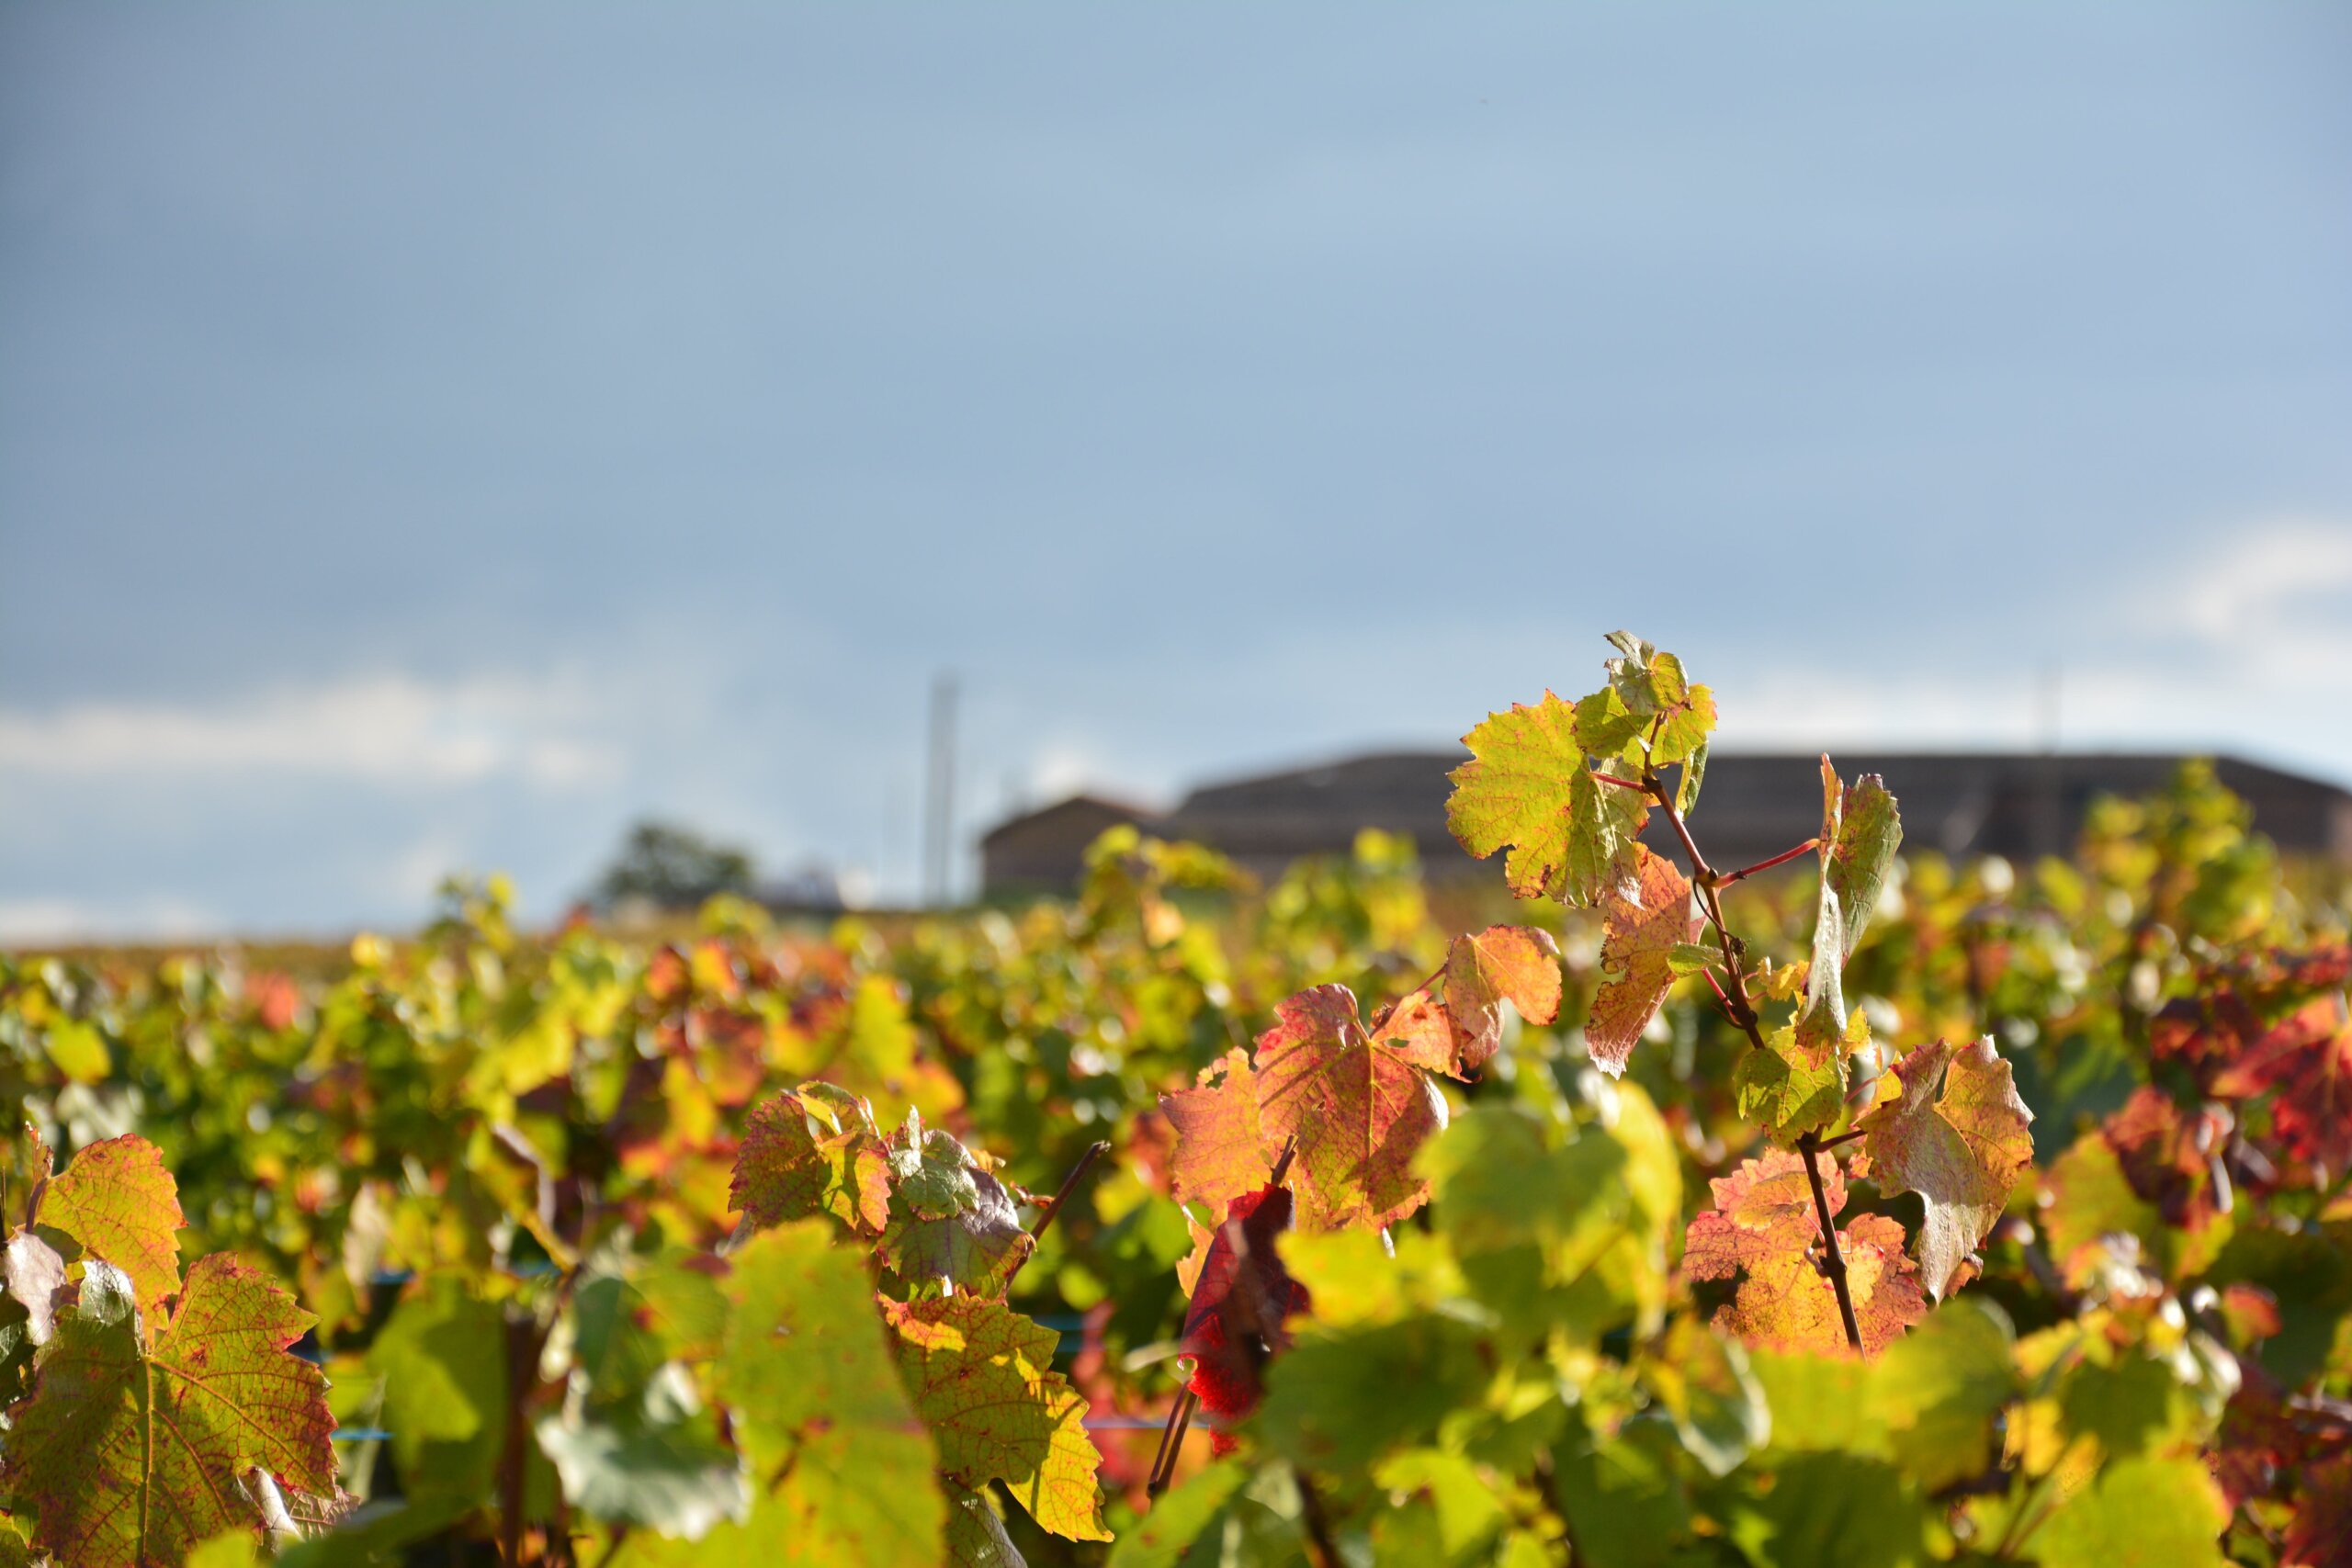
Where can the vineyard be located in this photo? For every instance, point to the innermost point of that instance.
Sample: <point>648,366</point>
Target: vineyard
<point>1858,1208</point>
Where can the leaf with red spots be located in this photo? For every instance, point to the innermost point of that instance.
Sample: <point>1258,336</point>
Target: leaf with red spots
<point>981,1378</point>
<point>129,1453</point>
<point>809,1153</point>
<point>1763,1231</point>
<point>120,1202</point>
<point>1220,1146</point>
<point>1359,1109</point>
<point>2305,1064</point>
<point>1643,922</point>
<point>1948,1125</point>
<point>1242,1297</point>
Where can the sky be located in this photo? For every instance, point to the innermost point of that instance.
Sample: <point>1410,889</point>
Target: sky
<point>434,437</point>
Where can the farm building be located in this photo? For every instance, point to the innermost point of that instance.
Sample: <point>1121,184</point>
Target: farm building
<point>1753,805</point>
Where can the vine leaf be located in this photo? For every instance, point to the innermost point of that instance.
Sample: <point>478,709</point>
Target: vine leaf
<point>120,1203</point>
<point>33,1274</point>
<point>1860,832</point>
<point>980,1376</point>
<point>2307,1059</point>
<point>1242,1298</point>
<point>1762,1232</point>
<point>1220,1147</point>
<point>1357,1107</point>
<point>1643,922</point>
<point>1459,1033</point>
<point>930,1171</point>
<point>1950,1125</point>
<point>1527,787</point>
<point>801,1156</point>
<point>130,1452</point>
<point>839,1463</point>
<point>950,1220</point>
<point>1796,1086</point>
<point>1515,964</point>
<point>1652,688</point>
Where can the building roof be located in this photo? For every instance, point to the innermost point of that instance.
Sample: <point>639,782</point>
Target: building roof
<point>1753,804</point>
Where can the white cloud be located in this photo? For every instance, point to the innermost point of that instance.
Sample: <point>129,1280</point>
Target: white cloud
<point>34,923</point>
<point>392,729</point>
<point>2259,585</point>
<point>2236,645</point>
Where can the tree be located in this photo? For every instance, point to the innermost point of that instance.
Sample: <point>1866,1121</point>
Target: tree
<point>673,867</point>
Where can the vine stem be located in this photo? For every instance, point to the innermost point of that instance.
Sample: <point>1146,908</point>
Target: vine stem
<point>1743,1013</point>
<point>1053,1206</point>
<point>1783,858</point>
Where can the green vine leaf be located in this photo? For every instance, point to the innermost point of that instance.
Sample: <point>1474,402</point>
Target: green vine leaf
<point>1527,787</point>
<point>133,1454</point>
<point>1860,832</point>
<point>952,1222</point>
<point>1795,1086</point>
<point>841,1468</point>
<point>981,1376</point>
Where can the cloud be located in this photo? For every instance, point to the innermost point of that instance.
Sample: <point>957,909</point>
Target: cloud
<point>2264,583</point>
<point>386,729</point>
<point>25,922</point>
<point>2235,643</point>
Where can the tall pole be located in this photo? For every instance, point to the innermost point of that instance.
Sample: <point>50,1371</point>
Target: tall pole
<point>939,804</point>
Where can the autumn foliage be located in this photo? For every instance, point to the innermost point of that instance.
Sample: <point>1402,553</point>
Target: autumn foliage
<point>1853,1208</point>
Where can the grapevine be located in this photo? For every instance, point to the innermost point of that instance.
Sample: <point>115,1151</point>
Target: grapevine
<point>1643,1214</point>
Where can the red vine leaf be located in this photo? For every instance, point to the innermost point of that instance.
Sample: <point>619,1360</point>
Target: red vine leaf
<point>1949,1124</point>
<point>981,1379</point>
<point>1359,1109</point>
<point>2320,1532</point>
<point>1220,1148</point>
<point>2171,1157</point>
<point>131,1455</point>
<point>2306,1061</point>
<point>1763,1231</point>
<point>806,1154</point>
<point>1242,1301</point>
<point>120,1202</point>
<point>1642,923</point>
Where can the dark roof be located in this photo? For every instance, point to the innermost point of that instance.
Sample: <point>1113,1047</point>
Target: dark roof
<point>1753,804</point>
<point>1088,806</point>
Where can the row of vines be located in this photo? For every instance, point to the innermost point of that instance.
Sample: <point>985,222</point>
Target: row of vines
<point>1855,1208</point>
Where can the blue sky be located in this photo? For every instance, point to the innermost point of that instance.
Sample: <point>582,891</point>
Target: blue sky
<point>432,438</point>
